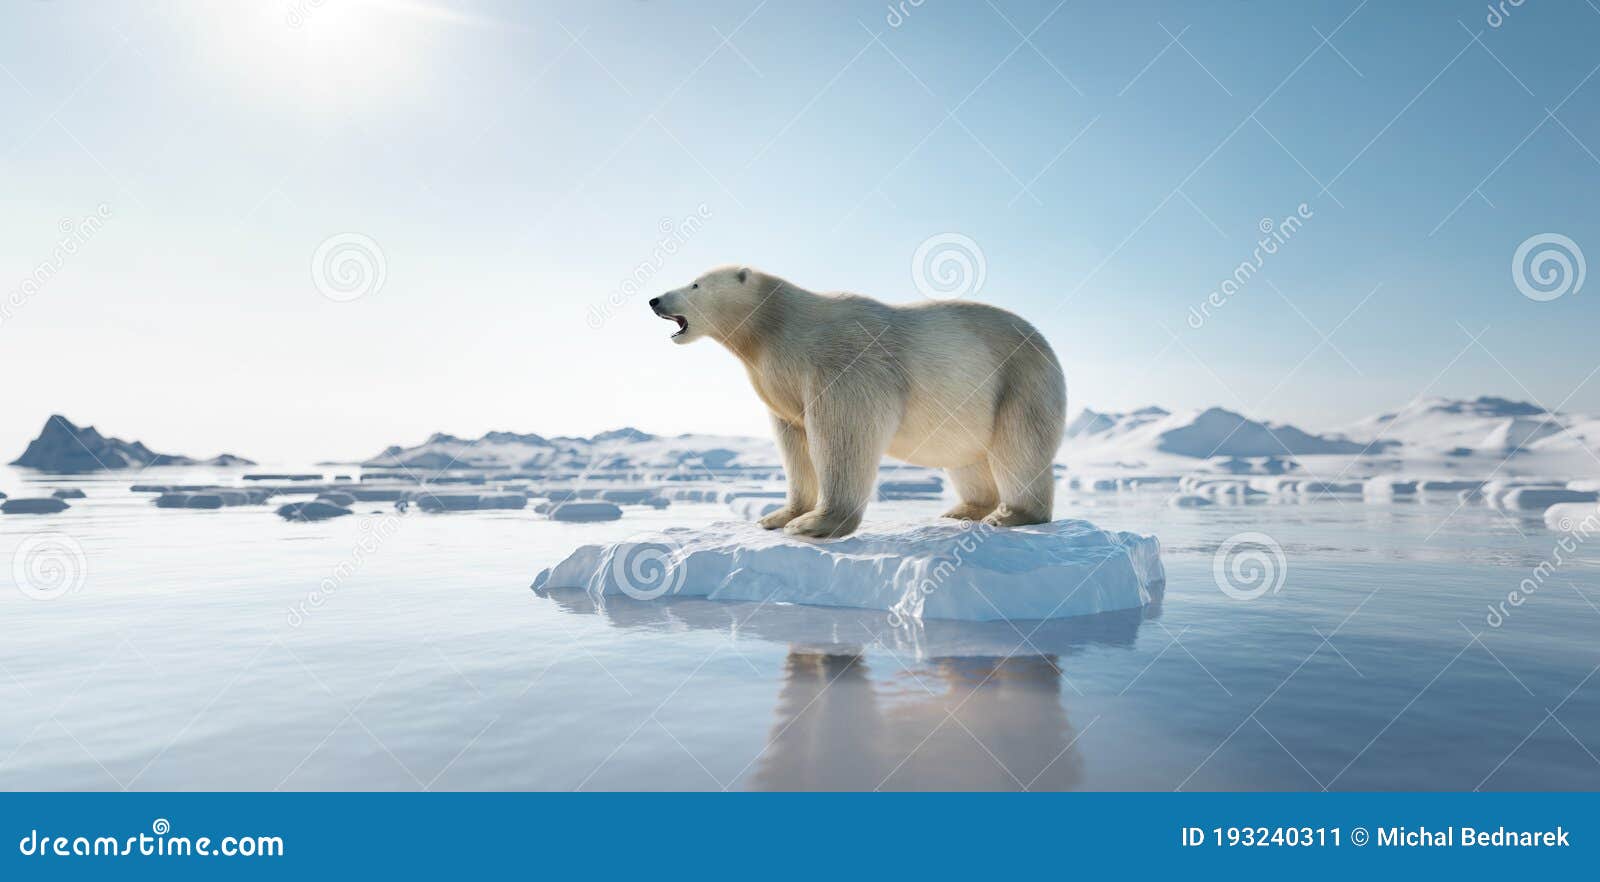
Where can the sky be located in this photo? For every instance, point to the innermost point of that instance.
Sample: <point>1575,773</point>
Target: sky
<point>308,229</point>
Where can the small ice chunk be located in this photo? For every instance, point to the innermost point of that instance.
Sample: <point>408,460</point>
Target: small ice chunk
<point>1388,488</point>
<point>580,511</point>
<point>436,502</point>
<point>48,505</point>
<point>69,493</point>
<point>1541,498</point>
<point>944,570</point>
<point>911,488</point>
<point>314,510</point>
<point>1570,517</point>
<point>1446,485</point>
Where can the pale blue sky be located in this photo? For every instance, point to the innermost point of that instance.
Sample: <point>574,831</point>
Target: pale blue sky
<point>514,162</point>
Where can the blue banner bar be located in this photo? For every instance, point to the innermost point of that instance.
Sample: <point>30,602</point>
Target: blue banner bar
<point>811,836</point>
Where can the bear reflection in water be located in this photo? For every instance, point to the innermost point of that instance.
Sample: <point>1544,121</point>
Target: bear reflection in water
<point>937,705</point>
<point>982,723</point>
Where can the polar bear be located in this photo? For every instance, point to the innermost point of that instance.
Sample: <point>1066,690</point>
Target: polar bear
<point>957,385</point>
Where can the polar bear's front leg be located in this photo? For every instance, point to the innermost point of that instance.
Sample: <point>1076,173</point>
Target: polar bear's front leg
<point>847,435</point>
<point>797,469</point>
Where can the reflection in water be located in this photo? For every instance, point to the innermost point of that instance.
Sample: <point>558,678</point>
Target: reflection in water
<point>962,724</point>
<point>959,708</point>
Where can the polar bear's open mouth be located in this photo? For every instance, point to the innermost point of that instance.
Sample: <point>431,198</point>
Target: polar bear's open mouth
<point>683,324</point>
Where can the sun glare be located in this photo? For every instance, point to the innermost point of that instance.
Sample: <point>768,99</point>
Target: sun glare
<point>325,51</point>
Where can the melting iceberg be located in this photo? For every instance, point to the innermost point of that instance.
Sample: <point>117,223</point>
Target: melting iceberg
<point>941,570</point>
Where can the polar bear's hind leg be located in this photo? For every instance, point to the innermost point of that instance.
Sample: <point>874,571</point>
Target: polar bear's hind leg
<point>975,485</point>
<point>1029,420</point>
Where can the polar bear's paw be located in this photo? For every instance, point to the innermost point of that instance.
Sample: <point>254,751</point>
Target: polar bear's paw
<point>822,525</point>
<point>778,518</point>
<point>1007,516</point>
<point>969,511</point>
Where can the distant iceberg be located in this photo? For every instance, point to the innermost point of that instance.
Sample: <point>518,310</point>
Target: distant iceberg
<point>943,570</point>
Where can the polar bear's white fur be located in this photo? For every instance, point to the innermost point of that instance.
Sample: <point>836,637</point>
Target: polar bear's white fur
<point>958,385</point>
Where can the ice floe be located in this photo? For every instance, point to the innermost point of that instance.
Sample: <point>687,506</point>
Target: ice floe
<point>941,570</point>
<point>1573,517</point>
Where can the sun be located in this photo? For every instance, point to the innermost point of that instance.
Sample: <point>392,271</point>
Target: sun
<point>322,52</point>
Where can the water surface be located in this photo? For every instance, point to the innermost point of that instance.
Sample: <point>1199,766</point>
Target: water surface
<point>231,650</point>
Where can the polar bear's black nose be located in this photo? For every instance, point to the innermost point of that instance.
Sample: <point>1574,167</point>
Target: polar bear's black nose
<point>655,301</point>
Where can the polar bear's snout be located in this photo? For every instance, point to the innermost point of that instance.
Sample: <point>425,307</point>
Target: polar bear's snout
<point>666,313</point>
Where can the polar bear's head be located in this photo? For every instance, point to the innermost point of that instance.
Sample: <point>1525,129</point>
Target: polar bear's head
<point>717,304</point>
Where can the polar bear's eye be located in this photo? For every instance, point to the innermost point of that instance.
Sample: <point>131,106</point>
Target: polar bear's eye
<point>695,285</point>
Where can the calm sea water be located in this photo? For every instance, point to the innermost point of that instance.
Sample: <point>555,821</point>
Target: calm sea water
<point>232,650</point>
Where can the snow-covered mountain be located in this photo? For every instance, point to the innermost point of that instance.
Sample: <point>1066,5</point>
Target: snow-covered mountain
<point>65,448</point>
<point>1199,434</point>
<point>625,448</point>
<point>1481,425</point>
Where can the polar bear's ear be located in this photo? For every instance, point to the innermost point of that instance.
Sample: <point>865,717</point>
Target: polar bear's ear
<point>744,274</point>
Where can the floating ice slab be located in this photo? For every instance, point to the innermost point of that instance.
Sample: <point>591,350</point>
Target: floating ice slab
<point>943,570</point>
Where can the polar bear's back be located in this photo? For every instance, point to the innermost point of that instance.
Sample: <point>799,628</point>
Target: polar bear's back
<point>965,362</point>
